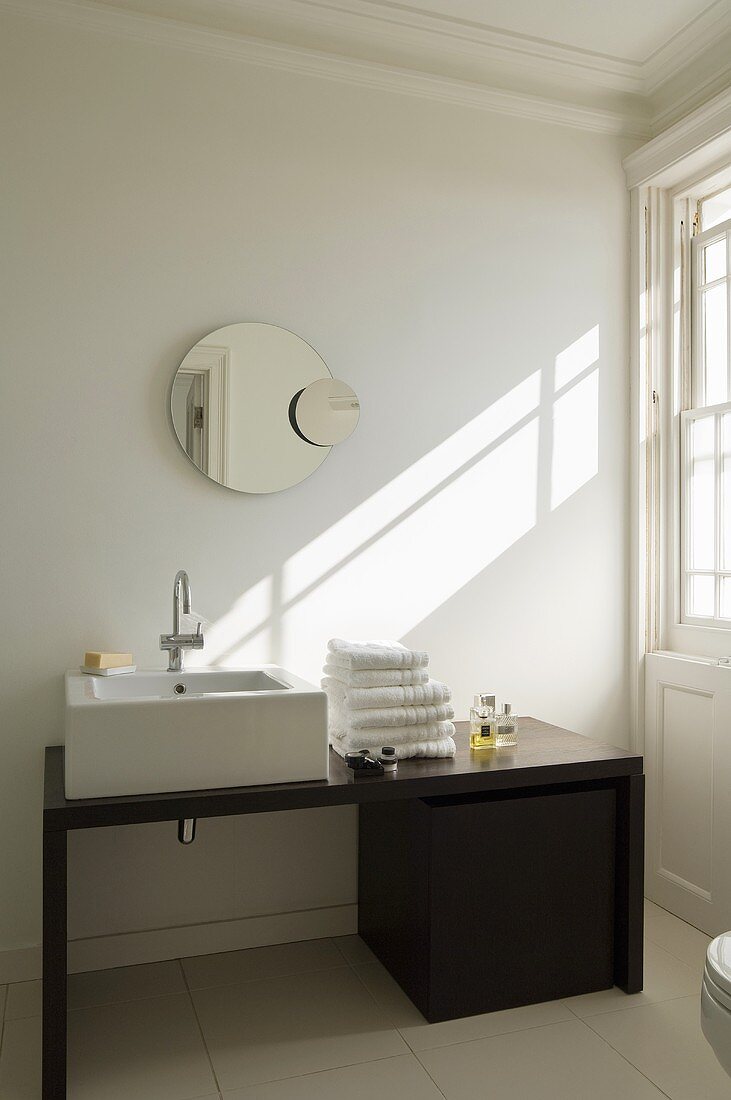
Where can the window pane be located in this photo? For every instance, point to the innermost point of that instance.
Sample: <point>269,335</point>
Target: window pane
<point>714,261</point>
<point>726,597</point>
<point>701,596</point>
<point>702,495</point>
<point>716,210</point>
<point>715,355</point>
<point>726,492</point>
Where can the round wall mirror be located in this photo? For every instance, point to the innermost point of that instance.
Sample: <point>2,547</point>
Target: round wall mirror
<point>255,408</point>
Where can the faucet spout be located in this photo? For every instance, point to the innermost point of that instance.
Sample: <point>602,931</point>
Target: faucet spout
<point>176,643</point>
<point>181,598</point>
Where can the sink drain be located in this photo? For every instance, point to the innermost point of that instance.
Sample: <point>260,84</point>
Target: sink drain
<point>179,689</point>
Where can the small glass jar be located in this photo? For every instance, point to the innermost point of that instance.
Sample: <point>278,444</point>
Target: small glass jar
<point>506,727</point>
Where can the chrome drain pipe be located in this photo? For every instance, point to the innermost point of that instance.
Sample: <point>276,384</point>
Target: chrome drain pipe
<point>186,830</point>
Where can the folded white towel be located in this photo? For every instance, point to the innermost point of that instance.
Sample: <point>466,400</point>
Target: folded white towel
<point>378,736</point>
<point>377,677</point>
<point>368,698</point>
<point>410,750</point>
<point>343,717</point>
<point>362,655</point>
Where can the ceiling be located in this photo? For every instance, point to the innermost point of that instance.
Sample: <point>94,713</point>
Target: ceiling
<point>631,29</point>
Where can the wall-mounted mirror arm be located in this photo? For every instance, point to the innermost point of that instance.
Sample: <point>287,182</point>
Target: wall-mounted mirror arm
<point>324,413</point>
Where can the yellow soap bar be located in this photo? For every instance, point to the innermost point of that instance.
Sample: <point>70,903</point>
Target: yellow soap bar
<point>107,660</point>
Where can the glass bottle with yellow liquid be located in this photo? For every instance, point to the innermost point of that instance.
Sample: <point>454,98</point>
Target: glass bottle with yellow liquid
<point>483,724</point>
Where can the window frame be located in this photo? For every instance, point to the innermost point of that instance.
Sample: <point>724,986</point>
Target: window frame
<point>677,211</point>
<point>696,410</point>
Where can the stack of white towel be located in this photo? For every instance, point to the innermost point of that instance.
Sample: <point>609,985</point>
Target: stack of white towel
<point>380,693</point>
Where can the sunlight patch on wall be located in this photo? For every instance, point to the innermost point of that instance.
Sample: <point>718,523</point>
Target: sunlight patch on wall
<point>575,458</point>
<point>246,617</point>
<point>575,417</point>
<point>386,505</point>
<point>255,650</point>
<point>422,561</point>
<point>574,360</point>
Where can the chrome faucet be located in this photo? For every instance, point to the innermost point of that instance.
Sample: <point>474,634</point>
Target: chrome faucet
<point>176,643</point>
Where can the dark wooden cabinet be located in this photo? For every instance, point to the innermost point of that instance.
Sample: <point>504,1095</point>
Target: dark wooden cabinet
<point>482,903</point>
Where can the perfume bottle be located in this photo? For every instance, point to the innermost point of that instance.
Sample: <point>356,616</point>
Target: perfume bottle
<point>482,723</point>
<point>506,728</point>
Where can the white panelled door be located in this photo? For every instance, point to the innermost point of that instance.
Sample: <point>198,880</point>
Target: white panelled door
<point>688,766</point>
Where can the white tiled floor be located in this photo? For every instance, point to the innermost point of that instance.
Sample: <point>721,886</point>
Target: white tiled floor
<point>323,1020</point>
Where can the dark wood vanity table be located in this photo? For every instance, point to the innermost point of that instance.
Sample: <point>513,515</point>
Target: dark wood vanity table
<point>498,878</point>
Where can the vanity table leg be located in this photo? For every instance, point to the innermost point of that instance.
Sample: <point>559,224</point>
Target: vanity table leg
<point>54,965</point>
<point>630,880</point>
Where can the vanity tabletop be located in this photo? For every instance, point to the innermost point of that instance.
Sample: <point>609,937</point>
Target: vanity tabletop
<point>544,754</point>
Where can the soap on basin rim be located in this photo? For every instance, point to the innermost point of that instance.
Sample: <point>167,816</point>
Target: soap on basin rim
<point>93,659</point>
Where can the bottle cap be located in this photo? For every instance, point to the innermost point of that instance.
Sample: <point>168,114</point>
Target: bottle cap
<point>507,708</point>
<point>388,750</point>
<point>485,700</point>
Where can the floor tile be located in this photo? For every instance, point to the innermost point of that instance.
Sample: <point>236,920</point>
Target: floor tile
<point>99,987</point>
<point>284,1027</point>
<point>23,1001</point>
<point>665,1042</point>
<point>402,1078</point>
<point>675,936</point>
<point>20,1060</point>
<point>560,1062</point>
<point>229,967</point>
<point>354,949</point>
<point>150,1050</point>
<point>125,983</point>
<point>666,977</point>
<point>421,1035</point>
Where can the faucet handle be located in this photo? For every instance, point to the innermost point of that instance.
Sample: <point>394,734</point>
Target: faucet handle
<point>183,641</point>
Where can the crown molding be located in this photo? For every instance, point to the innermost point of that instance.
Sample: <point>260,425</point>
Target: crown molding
<point>704,134</point>
<point>105,18</point>
<point>717,81</point>
<point>395,25</point>
<point>687,45</point>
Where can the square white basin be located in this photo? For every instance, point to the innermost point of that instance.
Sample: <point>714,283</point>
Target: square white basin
<point>151,732</point>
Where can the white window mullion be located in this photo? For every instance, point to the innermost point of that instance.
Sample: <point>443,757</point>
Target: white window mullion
<point>727,287</point>
<point>717,513</point>
<point>695,489</point>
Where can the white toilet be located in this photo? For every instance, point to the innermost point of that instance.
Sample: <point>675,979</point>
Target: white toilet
<point>716,999</point>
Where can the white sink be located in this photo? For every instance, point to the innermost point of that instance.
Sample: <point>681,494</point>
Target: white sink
<point>149,732</point>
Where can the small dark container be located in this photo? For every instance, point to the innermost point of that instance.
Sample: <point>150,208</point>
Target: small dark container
<point>387,758</point>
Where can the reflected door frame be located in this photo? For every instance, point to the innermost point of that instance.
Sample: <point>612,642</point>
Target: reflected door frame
<point>210,365</point>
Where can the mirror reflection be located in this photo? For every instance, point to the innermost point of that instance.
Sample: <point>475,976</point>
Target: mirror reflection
<point>255,408</point>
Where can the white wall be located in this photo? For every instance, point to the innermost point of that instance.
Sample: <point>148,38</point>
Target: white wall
<point>437,258</point>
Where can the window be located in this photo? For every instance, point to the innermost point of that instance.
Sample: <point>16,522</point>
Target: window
<point>706,425</point>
